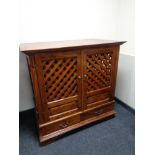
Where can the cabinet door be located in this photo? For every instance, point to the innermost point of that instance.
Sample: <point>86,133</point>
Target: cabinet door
<point>59,82</point>
<point>99,75</point>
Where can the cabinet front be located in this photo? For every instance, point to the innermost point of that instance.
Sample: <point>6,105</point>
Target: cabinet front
<point>59,82</point>
<point>99,67</point>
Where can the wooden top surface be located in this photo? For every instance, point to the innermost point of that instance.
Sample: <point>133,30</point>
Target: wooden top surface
<point>33,47</point>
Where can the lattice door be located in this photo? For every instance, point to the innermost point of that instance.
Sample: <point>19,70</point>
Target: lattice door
<point>60,84</point>
<point>98,73</point>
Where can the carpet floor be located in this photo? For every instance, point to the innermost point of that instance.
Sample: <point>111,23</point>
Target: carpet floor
<point>112,137</point>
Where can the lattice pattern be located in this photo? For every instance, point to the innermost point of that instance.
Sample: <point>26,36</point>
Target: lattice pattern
<point>99,69</point>
<point>60,78</point>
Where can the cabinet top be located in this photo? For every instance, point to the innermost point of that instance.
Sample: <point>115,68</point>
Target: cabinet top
<point>29,48</point>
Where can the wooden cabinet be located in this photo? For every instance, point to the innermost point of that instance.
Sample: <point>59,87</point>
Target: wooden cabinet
<point>73,82</point>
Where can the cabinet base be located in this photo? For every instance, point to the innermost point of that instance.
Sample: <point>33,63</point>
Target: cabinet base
<point>55,135</point>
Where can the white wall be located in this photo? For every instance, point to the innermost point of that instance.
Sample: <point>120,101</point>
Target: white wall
<point>125,88</point>
<point>26,100</point>
<point>125,25</point>
<point>48,20</point>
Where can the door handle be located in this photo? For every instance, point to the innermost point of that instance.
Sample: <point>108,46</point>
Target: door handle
<point>85,75</point>
<point>79,77</point>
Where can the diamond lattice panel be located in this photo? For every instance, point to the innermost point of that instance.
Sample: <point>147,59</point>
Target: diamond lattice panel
<point>99,69</point>
<point>60,78</point>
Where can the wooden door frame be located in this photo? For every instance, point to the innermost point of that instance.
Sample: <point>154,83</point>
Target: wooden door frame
<point>110,89</point>
<point>47,56</point>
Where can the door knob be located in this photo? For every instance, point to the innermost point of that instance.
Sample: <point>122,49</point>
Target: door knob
<point>79,77</point>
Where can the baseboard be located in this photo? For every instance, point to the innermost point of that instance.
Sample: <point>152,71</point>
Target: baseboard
<point>125,105</point>
<point>28,114</point>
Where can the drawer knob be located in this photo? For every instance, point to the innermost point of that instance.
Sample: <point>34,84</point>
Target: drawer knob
<point>99,112</point>
<point>64,124</point>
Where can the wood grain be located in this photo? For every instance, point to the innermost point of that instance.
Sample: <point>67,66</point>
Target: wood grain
<point>30,48</point>
<point>74,83</point>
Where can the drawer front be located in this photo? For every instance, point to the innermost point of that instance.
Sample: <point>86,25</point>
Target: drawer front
<point>59,125</point>
<point>98,111</point>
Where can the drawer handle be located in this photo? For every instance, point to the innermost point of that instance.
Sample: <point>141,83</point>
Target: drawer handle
<point>64,125</point>
<point>99,112</point>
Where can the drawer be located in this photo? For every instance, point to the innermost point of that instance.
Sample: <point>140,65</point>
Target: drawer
<point>60,125</point>
<point>98,111</point>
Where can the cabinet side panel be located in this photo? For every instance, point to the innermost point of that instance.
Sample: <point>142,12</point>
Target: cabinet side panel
<point>34,79</point>
<point>114,68</point>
